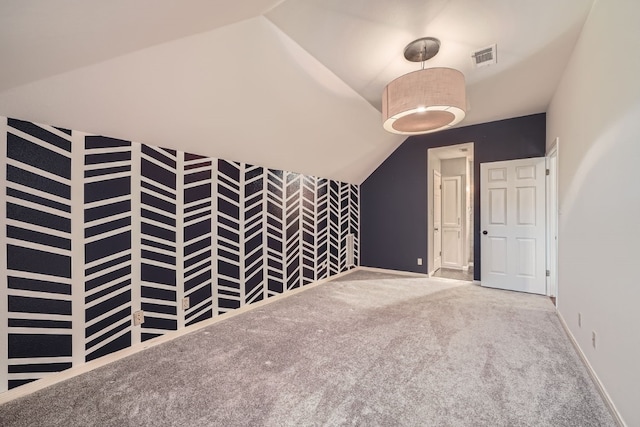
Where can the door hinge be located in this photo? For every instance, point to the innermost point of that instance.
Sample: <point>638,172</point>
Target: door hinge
<point>547,172</point>
<point>548,273</point>
<point>440,253</point>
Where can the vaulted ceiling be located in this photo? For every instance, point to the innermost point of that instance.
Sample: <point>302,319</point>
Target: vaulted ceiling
<point>292,84</point>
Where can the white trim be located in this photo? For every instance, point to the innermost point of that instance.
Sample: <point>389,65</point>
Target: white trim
<point>552,219</point>
<point>408,273</point>
<point>553,148</point>
<point>599,386</point>
<point>215,307</point>
<point>359,229</point>
<point>58,377</point>
<point>180,279</point>
<point>4,291</point>
<point>78,323</point>
<point>432,153</point>
<point>301,243</point>
<point>386,270</point>
<point>431,240</point>
<point>265,235</point>
<point>136,240</point>
<point>242,256</point>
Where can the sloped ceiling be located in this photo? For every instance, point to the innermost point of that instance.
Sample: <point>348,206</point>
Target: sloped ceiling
<point>292,85</point>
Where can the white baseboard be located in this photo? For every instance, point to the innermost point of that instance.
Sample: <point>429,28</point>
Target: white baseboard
<point>603,391</point>
<point>409,273</point>
<point>58,377</point>
<point>385,270</point>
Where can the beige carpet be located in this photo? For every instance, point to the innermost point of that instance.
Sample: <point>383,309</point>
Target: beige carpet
<point>368,350</point>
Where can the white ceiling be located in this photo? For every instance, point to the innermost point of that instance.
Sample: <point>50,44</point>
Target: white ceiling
<point>293,85</point>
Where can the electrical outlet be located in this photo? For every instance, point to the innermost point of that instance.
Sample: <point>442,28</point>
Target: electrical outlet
<point>138,317</point>
<point>593,338</point>
<point>419,261</point>
<point>185,303</point>
<point>579,320</point>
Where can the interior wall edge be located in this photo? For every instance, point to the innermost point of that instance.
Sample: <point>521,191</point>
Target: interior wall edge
<point>594,113</point>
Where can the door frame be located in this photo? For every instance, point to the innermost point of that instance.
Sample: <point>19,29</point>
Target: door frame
<point>552,219</point>
<point>437,258</point>
<point>465,149</point>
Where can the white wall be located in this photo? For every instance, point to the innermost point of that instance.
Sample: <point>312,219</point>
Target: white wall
<point>595,112</point>
<point>454,167</point>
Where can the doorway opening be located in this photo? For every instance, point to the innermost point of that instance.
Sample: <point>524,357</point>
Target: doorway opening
<point>450,211</point>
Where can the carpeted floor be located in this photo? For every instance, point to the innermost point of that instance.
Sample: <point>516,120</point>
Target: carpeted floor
<point>450,273</point>
<point>382,350</point>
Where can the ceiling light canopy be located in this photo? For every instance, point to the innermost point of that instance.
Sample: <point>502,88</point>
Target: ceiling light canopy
<point>427,100</point>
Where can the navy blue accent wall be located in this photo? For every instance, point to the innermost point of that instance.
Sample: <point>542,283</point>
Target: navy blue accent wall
<point>152,228</point>
<point>393,221</point>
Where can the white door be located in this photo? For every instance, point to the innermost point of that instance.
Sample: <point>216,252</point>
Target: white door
<point>451,222</point>
<point>437,220</point>
<point>512,223</point>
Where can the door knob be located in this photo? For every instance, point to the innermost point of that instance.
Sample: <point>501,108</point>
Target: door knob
<point>485,232</point>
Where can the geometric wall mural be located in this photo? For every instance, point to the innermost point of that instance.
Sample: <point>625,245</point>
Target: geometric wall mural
<point>96,228</point>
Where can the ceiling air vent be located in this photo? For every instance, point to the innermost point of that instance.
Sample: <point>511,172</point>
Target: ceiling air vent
<point>485,57</point>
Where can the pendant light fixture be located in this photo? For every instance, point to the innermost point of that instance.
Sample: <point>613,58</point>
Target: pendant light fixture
<point>427,100</point>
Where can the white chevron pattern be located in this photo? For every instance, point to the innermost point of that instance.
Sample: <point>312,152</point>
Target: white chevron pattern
<point>151,229</point>
<point>158,241</point>
<point>292,230</point>
<point>107,243</point>
<point>253,233</point>
<point>36,285</point>
<point>197,245</point>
